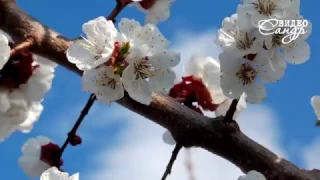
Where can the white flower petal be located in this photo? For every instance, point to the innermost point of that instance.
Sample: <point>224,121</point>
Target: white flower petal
<point>54,174</point>
<point>163,80</point>
<point>315,102</point>
<point>4,102</point>
<point>297,53</point>
<point>167,138</point>
<point>4,50</point>
<point>153,37</point>
<point>160,11</point>
<point>256,92</point>
<point>164,58</point>
<point>129,27</point>
<point>253,175</point>
<point>266,72</point>
<point>138,89</point>
<point>99,28</point>
<point>32,167</point>
<point>231,86</point>
<point>229,63</point>
<point>31,147</point>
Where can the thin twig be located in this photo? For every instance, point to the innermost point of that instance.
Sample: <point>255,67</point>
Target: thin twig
<point>232,109</point>
<point>116,11</point>
<point>75,127</point>
<point>174,155</point>
<point>21,46</point>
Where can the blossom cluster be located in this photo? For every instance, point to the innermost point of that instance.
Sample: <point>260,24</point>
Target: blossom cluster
<point>24,80</point>
<point>134,59</point>
<point>255,50</point>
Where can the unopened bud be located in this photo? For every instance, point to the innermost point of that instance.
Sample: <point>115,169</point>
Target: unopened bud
<point>76,140</point>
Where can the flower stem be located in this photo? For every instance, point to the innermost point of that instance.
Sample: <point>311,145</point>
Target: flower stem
<point>116,10</point>
<point>75,127</point>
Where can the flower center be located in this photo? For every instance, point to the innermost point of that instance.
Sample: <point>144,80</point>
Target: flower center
<point>106,81</point>
<point>265,7</point>
<point>17,70</point>
<point>245,42</point>
<point>277,40</point>
<point>143,69</point>
<point>246,74</point>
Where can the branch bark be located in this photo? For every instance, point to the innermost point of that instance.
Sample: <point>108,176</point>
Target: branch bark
<point>223,138</point>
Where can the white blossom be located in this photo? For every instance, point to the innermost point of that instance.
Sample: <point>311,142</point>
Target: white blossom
<point>18,116</point>
<point>40,81</point>
<point>21,106</point>
<point>208,69</point>
<point>252,175</point>
<point>31,153</point>
<point>54,174</point>
<point>159,11</point>
<point>104,83</point>
<point>238,78</point>
<point>146,73</point>
<point>315,102</point>
<point>97,47</point>
<point>137,35</point>
<point>237,38</point>
<point>295,52</point>
<point>4,50</point>
<point>23,84</point>
<point>269,9</point>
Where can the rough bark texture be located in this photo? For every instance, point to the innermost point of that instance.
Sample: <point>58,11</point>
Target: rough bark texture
<point>223,138</point>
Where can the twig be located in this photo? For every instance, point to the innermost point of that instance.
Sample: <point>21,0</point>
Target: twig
<point>174,155</point>
<point>116,11</point>
<point>232,109</point>
<point>75,127</point>
<point>21,46</point>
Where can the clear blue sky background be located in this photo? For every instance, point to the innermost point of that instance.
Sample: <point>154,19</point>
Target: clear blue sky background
<point>290,98</point>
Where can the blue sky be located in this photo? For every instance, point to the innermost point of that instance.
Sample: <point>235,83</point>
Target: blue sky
<point>289,99</point>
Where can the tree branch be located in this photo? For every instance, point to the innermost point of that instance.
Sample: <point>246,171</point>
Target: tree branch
<point>215,135</point>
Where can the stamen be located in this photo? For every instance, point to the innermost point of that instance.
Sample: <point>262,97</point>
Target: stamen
<point>265,7</point>
<point>246,74</point>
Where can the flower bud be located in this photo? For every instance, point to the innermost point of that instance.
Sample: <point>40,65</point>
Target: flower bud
<point>76,140</point>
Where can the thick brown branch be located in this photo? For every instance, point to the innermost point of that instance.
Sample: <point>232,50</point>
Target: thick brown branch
<point>223,138</point>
